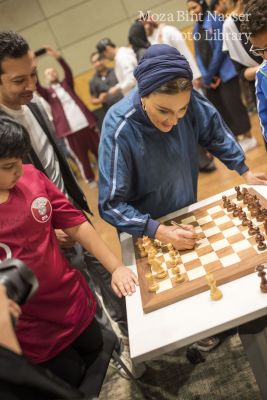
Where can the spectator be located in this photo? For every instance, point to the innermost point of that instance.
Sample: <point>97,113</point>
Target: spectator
<point>218,72</point>
<point>71,117</point>
<point>138,40</point>
<point>57,327</point>
<point>99,85</point>
<point>125,62</point>
<point>256,26</point>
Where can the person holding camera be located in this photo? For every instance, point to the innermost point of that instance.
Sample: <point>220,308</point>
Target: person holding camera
<point>57,328</point>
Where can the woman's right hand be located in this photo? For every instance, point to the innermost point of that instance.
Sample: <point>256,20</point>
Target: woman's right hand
<point>181,238</point>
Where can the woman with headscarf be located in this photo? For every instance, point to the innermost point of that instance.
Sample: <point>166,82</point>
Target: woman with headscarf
<point>148,155</point>
<point>218,72</point>
<point>138,40</point>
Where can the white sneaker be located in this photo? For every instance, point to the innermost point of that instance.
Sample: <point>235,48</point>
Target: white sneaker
<point>248,144</point>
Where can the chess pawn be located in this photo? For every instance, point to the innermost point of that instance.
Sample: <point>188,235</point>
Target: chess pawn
<point>173,253</point>
<point>229,206</point>
<point>251,229</point>
<point>171,263</point>
<point>244,219</point>
<point>261,274</point>
<point>239,195</point>
<point>261,245</point>
<point>240,213</point>
<point>259,215</point>
<point>153,286</point>
<point>170,246</point>
<point>179,278</point>
<point>235,211</point>
<point>215,292</point>
<point>259,237</point>
<point>265,225</point>
<point>224,199</point>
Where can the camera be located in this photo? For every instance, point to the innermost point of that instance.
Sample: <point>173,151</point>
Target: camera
<point>40,52</point>
<point>19,281</point>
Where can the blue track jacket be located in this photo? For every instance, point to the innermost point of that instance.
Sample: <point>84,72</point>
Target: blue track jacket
<point>145,174</point>
<point>261,92</point>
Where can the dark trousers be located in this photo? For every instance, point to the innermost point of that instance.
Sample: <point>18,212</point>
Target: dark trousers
<point>81,142</point>
<point>227,99</point>
<point>71,363</point>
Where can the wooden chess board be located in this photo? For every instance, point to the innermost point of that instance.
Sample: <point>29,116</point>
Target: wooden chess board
<point>225,248</point>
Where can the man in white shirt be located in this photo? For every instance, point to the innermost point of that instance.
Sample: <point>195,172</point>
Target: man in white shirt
<point>125,62</point>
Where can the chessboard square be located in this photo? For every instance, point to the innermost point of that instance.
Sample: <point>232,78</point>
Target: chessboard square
<point>230,232</point>
<point>212,231</point>
<point>202,243</point>
<point>212,267</point>
<point>236,221</point>
<point>204,220</point>
<point>230,260</point>
<point>227,225</point>
<point>208,258</point>
<point>222,220</point>
<point>236,238</point>
<point>220,244</point>
<point>204,250</point>
<point>219,214</point>
<point>216,238</point>
<point>226,251</point>
<point>246,234</point>
<point>192,264</point>
<point>196,273</point>
<point>214,210</point>
<point>189,219</point>
<point>239,246</point>
<point>207,226</point>
<point>192,255</point>
<point>164,285</point>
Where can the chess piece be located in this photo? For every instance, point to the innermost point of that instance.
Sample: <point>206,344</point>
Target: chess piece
<point>153,286</point>
<point>259,237</point>
<point>235,211</point>
<point>215,292</point>
<point>240,213</point>
<point>170,246</point>
<point>230,205</point>
<point>179,278</point>
<point>158,269</point>
<point>172,263</point>
<point>173,253</point>
<point>261,245</point>
<point>261,274</point>
<point>244,219</point>
<point>259,215</point>
<point>224,198</point>
<point>239,195</point>
<point>251,229</point>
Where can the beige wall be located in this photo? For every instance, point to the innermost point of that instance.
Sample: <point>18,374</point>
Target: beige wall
<point>74,26</point>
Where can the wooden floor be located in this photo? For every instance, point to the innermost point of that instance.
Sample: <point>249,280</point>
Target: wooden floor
<point>209,184</point>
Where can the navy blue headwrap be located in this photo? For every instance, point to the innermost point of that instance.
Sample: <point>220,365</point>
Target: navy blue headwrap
<point>161,63</point>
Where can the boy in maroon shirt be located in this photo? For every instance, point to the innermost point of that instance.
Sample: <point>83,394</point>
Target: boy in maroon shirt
<point>57,327</point>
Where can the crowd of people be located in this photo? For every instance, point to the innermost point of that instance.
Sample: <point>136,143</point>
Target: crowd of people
<point>165,116</point>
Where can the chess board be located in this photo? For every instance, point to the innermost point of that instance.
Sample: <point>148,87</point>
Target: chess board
<point>225,249</point>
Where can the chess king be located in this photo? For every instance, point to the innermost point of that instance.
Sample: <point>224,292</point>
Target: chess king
<point>148,155</point>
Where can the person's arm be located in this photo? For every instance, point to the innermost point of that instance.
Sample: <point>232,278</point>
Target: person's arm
<point>261,92</point>
<point>67,71</point>
<point>217,55</point>
<point>127,66</point>
<point>74,224</point>
<point>116,182</point>
<point>42,91</point>
<point>7,335</point>
<point>216,137</point>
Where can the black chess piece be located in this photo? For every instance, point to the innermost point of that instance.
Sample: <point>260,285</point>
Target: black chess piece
<point>224,199</point>
<point>261,245</point>
<point>261,274</point>
<point>251,229</point>
<point>239,195</point>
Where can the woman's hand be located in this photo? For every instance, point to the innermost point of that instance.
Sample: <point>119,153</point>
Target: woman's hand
<point>123,281</point>
<point>259,178</point>
<point>183,238</point>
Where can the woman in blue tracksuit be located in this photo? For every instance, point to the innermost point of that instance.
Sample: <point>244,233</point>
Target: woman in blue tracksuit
<point>148,154</point>
<point>218,72</point>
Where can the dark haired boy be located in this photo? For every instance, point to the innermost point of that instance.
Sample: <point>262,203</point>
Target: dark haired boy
<point>57,327</point>
<point>255,24</point>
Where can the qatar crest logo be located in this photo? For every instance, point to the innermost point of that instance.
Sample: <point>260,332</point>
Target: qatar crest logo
<point>41,209</point>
